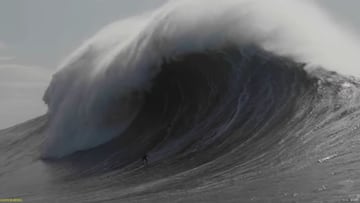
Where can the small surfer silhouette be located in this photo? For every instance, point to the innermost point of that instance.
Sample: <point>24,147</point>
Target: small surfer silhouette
<point>145,160</point>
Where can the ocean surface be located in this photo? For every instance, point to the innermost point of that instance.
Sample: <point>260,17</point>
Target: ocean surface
<point>228,106</point>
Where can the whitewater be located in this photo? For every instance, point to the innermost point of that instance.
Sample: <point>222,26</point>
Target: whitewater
<point>232,101</point>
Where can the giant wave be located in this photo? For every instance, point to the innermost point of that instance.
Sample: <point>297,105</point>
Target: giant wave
<point>100,90</point>
<point>228,99</point>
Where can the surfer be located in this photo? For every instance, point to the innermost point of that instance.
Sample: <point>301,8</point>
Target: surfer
<point>145,160</point>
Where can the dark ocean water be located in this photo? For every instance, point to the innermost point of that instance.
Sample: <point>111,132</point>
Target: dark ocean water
<point>218,126</point>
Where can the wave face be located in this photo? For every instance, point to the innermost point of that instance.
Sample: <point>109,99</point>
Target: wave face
<point>195,100</point>
<point>224,101</point>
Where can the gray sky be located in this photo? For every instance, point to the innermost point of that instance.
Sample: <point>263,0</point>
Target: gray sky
<point>35,35</point>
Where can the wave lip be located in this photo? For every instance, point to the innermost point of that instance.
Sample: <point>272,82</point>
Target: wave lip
<point>103,87</point>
